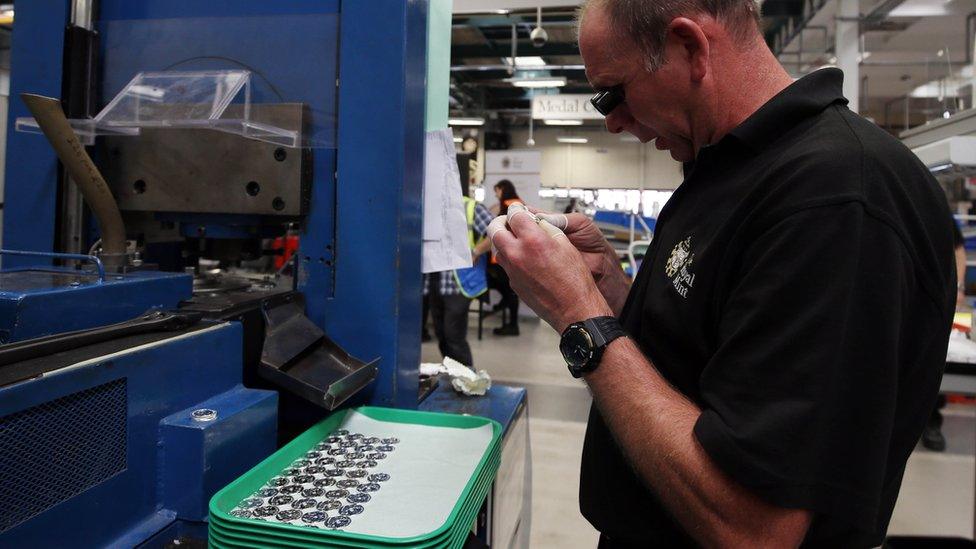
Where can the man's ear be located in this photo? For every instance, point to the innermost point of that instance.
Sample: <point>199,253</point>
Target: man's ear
<point>692,44</point>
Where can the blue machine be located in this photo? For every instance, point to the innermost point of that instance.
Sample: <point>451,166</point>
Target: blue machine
<point>121,442</point>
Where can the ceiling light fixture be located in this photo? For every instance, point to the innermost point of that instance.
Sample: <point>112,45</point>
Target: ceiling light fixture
<point>563,122</point>
<point>545,82</point>
<point>573,140</point>
<point>526,61</point>
<point>466,121</point>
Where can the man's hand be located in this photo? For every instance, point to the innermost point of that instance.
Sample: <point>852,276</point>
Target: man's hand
<point>547,271</point>
<point>597,253</point>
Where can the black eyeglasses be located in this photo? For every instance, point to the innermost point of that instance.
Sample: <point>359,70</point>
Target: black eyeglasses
<point>606,100</point>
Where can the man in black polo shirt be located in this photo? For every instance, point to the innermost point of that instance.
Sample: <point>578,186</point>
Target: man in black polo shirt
<point>786,333</point>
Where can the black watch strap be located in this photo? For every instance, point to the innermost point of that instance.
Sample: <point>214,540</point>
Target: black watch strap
<point>603,329</point>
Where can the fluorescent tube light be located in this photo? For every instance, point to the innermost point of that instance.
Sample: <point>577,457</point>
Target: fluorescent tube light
<point>458,140</point>
<point>573,140</point>
<point>466,121</point>
<point>524,62</point>
<point>545,82</point>
<point>563,122</point>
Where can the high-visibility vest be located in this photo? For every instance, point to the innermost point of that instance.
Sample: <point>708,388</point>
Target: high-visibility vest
<point>472,281</point>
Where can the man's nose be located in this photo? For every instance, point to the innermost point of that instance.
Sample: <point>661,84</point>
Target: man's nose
<point>619,119</point>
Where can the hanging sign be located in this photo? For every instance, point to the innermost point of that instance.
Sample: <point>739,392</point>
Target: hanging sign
<point>564,107</point>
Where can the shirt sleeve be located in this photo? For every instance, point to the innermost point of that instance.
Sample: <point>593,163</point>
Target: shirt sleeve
<point>801,403</point>
<point>482,217</point>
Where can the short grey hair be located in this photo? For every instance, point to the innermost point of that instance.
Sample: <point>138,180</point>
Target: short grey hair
<point>646,22</point>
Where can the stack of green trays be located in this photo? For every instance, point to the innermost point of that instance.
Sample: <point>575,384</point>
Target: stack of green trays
<point>228,531</point>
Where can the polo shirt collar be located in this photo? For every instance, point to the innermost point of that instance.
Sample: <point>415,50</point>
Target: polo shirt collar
<point>804,98</point>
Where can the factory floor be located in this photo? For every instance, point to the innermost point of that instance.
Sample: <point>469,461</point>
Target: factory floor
<point>937,494</point>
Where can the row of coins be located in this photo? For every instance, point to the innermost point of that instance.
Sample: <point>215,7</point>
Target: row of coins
<point>326,487</point>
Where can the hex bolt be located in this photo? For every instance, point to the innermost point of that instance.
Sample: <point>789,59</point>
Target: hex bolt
<point>203,414</point>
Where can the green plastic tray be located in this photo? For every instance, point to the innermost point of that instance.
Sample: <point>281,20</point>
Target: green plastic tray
<point>232,537</point>
<point>225,499</point>
<point>252,534</point>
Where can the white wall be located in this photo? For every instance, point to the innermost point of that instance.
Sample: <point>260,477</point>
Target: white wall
<point>606,162</point>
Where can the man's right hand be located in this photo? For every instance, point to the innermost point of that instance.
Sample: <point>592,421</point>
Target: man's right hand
<point>599,255</point>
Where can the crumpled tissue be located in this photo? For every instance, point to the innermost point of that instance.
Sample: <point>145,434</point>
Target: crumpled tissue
<point>463,379</point>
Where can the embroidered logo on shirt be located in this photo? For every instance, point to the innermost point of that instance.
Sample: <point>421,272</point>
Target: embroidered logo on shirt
<point>678,267</point>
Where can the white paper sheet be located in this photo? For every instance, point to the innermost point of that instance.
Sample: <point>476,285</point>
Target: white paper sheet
<point>428,472</point>
<point>445,245</point>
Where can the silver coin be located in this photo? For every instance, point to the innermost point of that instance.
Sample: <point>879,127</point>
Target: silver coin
<point>385,448</point>
<point>336,494</point>
<point>299,463</point>
<point>379,477</point>
<point>347,463</point>
<point>336,452</point>
<point>366,448</point>
<point>314,469</point>
<point>358,497</point>
<point>312,454</point>
<point>327,460</point>
<point>367,464</point>
<point>338,522</point>
<point>376,455</point>
<point>355,455</point>
<point>251,503</point>
<point>266,511</point>
<point>355,436</point>
<point>368,487</point>
<point>334,472</point>
<point>266,492</point>
<point>351,509</point>
<point>329,505</point>
<point>278,481</point>
<point>348,483</point>
<point>314,516</point>
<point>391,440</point>
<point>324,482</point>
<point>305,503</point>
<point>346,444</point>
<point>290,472</point>
<point>334,439</point>
<point>356,473</point>
<point>240,513</point>
<point>303,479</point>
<point>289,515</point>
<point>371,440</point>
<point>281,500</point>
<point>313,492</point>
<point>291,489</point>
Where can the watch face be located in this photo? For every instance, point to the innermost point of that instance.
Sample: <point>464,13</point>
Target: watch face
<point>576,346</point>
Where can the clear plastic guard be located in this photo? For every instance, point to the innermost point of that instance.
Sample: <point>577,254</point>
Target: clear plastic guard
<point>181,100</point>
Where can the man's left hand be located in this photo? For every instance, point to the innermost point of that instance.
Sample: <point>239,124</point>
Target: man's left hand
<point>547,271</point>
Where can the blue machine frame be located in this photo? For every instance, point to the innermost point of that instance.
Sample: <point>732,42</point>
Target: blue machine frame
<point>78,439</point>
<point>359,260</point>
<point>359,256</point>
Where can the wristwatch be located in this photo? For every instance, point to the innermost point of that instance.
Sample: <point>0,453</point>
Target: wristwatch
<point>583,343</point>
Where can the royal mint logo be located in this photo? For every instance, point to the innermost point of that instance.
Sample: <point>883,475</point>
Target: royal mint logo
<point>678,268</point>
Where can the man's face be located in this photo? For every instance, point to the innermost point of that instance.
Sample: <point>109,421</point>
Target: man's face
<point>654,104</point>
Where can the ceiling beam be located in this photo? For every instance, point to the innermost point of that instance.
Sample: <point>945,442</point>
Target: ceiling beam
<point>505,50</point>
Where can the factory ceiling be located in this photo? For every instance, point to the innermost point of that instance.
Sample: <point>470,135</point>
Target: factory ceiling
<point>914,54</point>
<point>482,44</point>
